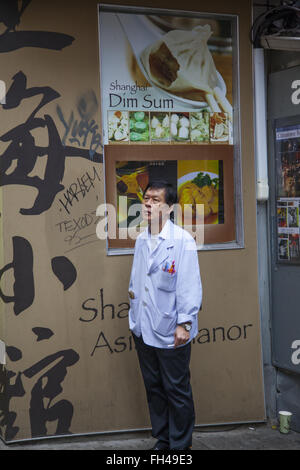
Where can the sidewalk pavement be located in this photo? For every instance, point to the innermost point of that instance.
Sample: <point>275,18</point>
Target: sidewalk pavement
<point>261,436</point>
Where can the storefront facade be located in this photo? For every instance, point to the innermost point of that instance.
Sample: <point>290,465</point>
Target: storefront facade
<point>68,363</point>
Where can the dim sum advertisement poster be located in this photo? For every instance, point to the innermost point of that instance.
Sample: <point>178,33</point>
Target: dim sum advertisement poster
<point>165,79</point>
<point>166,83</point>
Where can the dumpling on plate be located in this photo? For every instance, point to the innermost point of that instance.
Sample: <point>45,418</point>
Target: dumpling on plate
<point>181,61</point>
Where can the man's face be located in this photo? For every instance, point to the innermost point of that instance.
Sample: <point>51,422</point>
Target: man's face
<point>155,207</point>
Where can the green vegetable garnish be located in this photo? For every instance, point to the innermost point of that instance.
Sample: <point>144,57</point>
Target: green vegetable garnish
<point>205,180</point>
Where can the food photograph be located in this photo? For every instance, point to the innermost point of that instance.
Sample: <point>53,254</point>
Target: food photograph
<point>181,62</point>
<point>118,126</point>
<point>219,130</point>
<point>202,187</point>
<point>139,127</point>
<point>180,127</point>
<point>199,124</point>
<point>160,127</point>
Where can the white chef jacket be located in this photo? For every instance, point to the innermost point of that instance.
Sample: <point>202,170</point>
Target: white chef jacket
<point>162,300</point>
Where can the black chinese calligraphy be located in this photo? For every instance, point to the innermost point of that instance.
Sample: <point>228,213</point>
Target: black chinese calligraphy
<point>7,417</point>
<point>61,411</point>
<point>9,390</point>
<point>10,40</point>
<point>14,354</point>
<point>23,151</point>
<point>10,14</point>
<point>64,270</point>
<point>22,266</point>
<point>42,333</point>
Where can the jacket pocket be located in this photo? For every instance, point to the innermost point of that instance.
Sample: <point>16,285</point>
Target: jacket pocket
<point>165,323</point>
<point>134,303</point>
<point>167,281</point>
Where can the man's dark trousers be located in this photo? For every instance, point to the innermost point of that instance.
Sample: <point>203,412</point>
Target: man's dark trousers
<point>166,376</point>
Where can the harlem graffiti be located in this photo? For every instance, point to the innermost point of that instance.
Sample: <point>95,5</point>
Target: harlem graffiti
<point>79,189</point>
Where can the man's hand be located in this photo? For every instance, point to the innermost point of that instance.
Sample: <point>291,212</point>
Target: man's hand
<point>181,336</point>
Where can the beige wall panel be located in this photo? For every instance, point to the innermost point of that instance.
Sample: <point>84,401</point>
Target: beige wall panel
<point>100,388</point>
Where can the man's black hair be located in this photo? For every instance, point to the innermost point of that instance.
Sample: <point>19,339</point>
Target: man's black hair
<point>170,191</point>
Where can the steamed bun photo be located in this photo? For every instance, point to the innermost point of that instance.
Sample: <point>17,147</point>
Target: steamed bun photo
<point>181,61</point>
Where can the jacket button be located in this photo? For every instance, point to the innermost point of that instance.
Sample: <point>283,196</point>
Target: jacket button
<point>146,289</point>
<point>144,303</point>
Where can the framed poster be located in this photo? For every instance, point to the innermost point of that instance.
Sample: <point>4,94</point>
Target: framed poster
<point>129,172</point>
<point>288,193</point>
<point>169,88</point>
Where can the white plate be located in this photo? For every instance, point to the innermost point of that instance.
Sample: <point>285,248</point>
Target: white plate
<point>190,176</point>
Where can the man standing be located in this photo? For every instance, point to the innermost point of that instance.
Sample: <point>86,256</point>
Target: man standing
<point>165,294</point>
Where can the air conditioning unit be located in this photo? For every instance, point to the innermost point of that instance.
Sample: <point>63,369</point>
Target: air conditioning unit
<point>280,43</point>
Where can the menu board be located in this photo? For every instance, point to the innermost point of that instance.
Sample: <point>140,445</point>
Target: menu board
<point>288,193</point>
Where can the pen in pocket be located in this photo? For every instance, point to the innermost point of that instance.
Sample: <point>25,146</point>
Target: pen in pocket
<point>166,267</point>
<point>170,270</point>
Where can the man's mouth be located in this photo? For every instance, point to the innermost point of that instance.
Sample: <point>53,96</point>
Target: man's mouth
<point>147,211</point>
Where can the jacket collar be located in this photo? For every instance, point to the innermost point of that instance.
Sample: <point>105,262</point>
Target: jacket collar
<point>167,233</point>
<point>161,252</point>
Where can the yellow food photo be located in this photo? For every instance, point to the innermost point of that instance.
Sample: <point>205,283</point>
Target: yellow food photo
<point>198,193</point>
